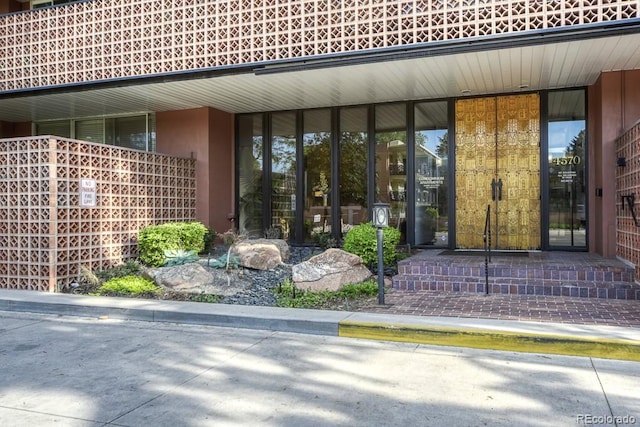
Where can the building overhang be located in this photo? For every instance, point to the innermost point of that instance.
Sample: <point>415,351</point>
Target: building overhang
<point>490,65</point>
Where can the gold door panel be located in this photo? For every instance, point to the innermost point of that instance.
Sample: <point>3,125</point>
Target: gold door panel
<point>498,140</point>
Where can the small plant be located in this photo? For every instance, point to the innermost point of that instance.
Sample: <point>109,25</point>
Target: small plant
<point>179,257</point>
<point>362,240</point>
<point>230,237</point>
<point>88,278</point>
<point>129,268</point>
<point>288,295</point>
<point>209,240</point>
<point>225,261</point>
<point>325,240</point>
<point>128,286</point>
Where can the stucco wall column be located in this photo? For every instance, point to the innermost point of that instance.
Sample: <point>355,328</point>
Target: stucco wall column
<point>207,135</point>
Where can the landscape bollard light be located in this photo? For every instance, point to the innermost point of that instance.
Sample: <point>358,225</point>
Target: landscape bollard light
<point>380,221</point>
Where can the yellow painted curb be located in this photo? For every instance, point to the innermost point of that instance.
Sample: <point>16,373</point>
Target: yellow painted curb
<point>496,340</point>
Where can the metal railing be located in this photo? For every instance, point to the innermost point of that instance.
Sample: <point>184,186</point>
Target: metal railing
<point>486,237</point>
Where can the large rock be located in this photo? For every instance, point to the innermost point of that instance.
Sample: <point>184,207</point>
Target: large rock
<point>195,279</point>
<point>261,254</point>
<point>330,270</point>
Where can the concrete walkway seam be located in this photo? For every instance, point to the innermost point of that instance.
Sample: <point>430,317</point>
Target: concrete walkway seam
<point>604,348</point>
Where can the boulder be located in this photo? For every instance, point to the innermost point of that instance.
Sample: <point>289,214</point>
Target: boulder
<point>195,279</point>
<point>261,254</point>
<point>330,270</point>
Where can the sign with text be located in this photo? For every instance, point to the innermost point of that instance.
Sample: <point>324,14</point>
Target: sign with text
<point>88,198</point>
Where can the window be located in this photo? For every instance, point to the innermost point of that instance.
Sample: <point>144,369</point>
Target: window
<point>136,132</point>
<point>39,4</point>
<point>567,167</point>
<point>390,162</point>
<point>431,187</point>
<point>250,160</point>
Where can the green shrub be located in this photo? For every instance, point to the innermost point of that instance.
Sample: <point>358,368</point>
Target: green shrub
<point>224,261</point>
<point>362,240</point>
<point>128,285</point>
<point>155,239</point>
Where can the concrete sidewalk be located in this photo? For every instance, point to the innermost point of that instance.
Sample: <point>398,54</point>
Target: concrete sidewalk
<point>610,342</point>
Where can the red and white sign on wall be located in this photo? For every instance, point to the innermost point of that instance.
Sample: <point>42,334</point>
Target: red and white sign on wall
<point>88,193</point>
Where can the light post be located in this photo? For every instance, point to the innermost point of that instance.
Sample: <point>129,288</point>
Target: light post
<point>380,221</point>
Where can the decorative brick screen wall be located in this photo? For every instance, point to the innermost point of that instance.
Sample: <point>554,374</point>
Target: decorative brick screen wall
<point>46,233</point>
<point>108,39</point>
<point>628,184</point>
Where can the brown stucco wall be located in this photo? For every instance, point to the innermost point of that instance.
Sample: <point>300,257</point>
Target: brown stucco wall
<point>15,130</point>
<point>221,161</point>
<point>614,106</point>
<point>207,135</point>
<point>7,6</point>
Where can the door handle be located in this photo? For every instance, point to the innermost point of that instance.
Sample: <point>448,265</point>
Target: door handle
<point>493,189</point>
<point>500,189</point>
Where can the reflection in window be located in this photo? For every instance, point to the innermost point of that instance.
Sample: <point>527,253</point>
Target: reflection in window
<point>250,175</point>
<point>391,158</point>
<point>283,174</point>
<point>317,175</point>
<point>353,167</point>
<point>431,153</point>
<point>567,165</point>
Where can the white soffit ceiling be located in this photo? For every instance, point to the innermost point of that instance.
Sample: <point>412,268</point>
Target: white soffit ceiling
<point>547,66</point>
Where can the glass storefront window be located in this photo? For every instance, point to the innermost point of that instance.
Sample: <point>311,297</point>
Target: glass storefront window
<point>353,157</point>
<point>390,163</point>
<point>283,174</point>
<point>250,160</point>
<point>431,187</point>
<point>567,164</point>
<point>316,142</point>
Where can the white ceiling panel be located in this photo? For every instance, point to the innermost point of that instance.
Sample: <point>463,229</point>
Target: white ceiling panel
<point>545,66</point>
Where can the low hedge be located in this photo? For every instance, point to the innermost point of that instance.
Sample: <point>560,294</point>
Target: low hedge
<point>154,240</point>
<point>362,240</point>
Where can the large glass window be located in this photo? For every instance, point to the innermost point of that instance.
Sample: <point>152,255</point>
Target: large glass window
<point>129,132</point>
<point>136,132</point>
<point>431,154</point>
<point>250,160</point>
<point>390,163</point>
<point>316,143</point>
<point>56,128</point>
<point>354,145</point>
<point>283,174</point>
<point>567,165</point>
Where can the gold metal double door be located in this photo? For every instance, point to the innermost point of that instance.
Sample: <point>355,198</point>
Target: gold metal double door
<point>497,159</point>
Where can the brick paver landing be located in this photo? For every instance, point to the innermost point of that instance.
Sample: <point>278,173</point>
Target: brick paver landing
<point>536,308</point>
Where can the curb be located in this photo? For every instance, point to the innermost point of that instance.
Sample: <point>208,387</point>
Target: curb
<point>605,342</point>
<point>605,348</point>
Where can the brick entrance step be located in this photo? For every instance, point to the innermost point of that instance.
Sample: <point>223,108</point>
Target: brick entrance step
<point>571,274</point>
